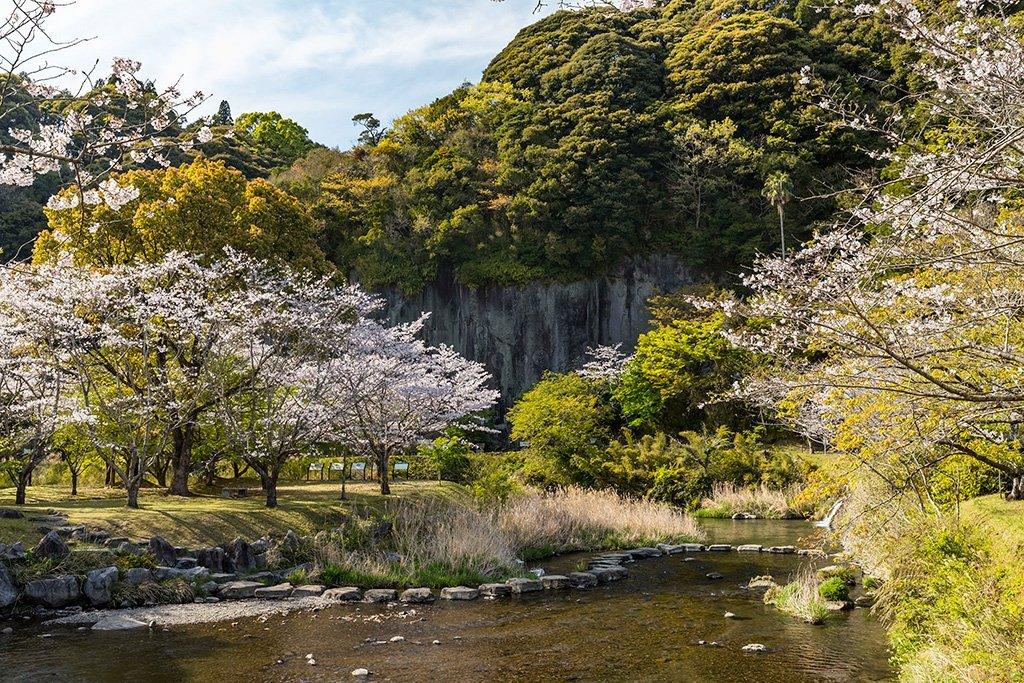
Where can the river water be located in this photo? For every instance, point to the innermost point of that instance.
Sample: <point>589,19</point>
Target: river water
<point>646,628</point>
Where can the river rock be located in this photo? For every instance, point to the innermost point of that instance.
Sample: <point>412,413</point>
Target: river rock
<point>720,548</point>
<point>614,558</point>
<point>754,647</point>
<point>99,586</point>
<point>460,593</point>
<point>8,593</point>
<point>223,577</point>
<point>714,576</point>
<point>211,558</point>
<point>381,595</point>
<point>865,601</point>
<point>782,549</point>
<point>607,574</point>
<point>13,552</point>
<point>495,590</point>
<point>194,575</point>
<point>360,673</point>
<point>643,553</point>
<point>554,582</point>
<point>241,555</point>
<point>669,549</point>
<point>137,576</point>
<point>278,592</point>
<point>417,596</point>
<point>236,590</point>
<point>52,546</point>
<point>210,588</point>
<point>345,594</point>
<point>118,622</point>
<point>163,551</point>
<point>582,580</point>
<point>519,585</point>
<point>693,547</point>
<point>744,515</point>
<point>837,605</point>
<point>749,548</point>
<point>308,591</point>
<point>58,591</point>
<point>730,615</point>
<point>187,563</point>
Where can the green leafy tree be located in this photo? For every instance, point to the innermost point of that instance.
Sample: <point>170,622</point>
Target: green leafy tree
<point>274,134</point>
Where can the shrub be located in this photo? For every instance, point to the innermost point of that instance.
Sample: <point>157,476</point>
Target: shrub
<point>449,458</point>
<point>728,499</point>
<point>800,598</point>
<point>834,589</point>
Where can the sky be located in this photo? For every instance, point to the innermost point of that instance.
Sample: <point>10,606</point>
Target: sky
<point>319,62</point>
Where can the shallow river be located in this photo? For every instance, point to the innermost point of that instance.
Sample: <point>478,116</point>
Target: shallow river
<point>645,628</point>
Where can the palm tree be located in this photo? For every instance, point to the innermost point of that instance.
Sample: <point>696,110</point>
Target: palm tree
<point>778,190</point>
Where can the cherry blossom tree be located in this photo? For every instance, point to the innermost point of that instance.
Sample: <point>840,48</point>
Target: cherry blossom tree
<point>903,321</point>
<point>395,390</point>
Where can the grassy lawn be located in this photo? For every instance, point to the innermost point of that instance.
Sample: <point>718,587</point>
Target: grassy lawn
<point>1002,516</point>
<point>206,518</point>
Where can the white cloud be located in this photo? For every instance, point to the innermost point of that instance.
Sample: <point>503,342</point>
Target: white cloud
<point>325,59</point>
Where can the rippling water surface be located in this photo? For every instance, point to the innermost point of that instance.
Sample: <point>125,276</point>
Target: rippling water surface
<point>646,628</point>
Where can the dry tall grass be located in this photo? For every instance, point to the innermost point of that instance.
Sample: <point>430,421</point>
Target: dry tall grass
<point>800,598</point>
<point>728,499</point>
<point>578,519</point>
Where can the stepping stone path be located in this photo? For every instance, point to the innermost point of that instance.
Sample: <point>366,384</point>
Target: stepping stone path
<point>525,585</point>
<point>554,582</point>
<point>495,590</point>
<point>310,591</point>
<point>582,580</point>
<point>460,593</point>
<point>720,548</point>
<point>749,548</point>
<point>417,596</point>
<point>239,589</point>
<point>346,594</point>
<point>782,549</point>
<point>380,595</point>
<point>644,553</point>
<point>278,592</point>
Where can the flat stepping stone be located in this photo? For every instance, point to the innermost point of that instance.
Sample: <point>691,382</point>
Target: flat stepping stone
<point>608,574</point>
<point>582,580</point>
<point>380,595</point>
<point>720,548</point>
<point>670,549</point>
<point>495,590</point>
<point>555,582</point>
<point>417,596</point>
<point>749,548</point>
<point>309,591</point>
<point>460,593</point>
<point>644,553</point>
<point>118,623</point>
<point>617,558</point>
<point>693,548</point>
<point>519,586</point>
<point>278,592</point>
<point>223,578</point>
<point>237,590</point>
<point>344,594</point>
<point>782,549</point>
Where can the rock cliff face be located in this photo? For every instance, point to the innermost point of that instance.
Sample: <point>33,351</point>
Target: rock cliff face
<point>519,332</point>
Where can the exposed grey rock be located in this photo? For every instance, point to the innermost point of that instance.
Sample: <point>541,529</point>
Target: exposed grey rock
<point>749,548</point>
<point>241,555</point>
<point>615,558</point>
<point>118,622</point>
<point>554,582</point>
<point>344,594</point>
<point>864,601</point>
<point>137,575</point>
<point>187,563</point>
<point>416,596</point>
<point>582,580</point>
<point>495,590</point>
<point>670,549</point>
<point>99,585</point>
<point>115,541</point>
<point>744,515</point>
<point>720,548</point>
<point>58,591</point>
<point>460,593</point>
<point>8,593</point>
<point>278,592</point>
<point>52,546</point>
<point>200,574</point>
<point>223,577</point>
<point>308,591</point>
<point>14,551</point>
<point>519,585</point>
<point>714,576</point>
<point>129,548</point>
<point>837,605</point>
<point>7,513</point>
<point>642,553</point>
<point>211,587</point>
<point>211,558</point>
<point>291,543</point>
<point>381,595</point>
<point>693,547</point>
<point>782,549</point>
<point>163,551</point>
<point>607,574</point>
<point>730,615</point>
<point>754,647</point>
<point>235,590</point>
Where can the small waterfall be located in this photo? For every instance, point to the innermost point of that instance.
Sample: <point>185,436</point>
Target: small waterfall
<point>827,522</point>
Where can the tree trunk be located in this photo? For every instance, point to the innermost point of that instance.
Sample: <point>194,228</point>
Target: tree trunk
<point>270,486</point>
<point>74,483</point>
<point>133,496</point>
<point>1016,489</point>
<point>182,459</point>
<point>19,494</point>
<point>108,476</point>
<point>385,488</point>
<point>782,230</point>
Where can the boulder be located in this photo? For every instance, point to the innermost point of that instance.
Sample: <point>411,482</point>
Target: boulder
<point>52,546</point>
<point>163,551</point>
<point>237,590</point>
<point>278,592</point>
<point>865,601</point>
<point>211,558</point>
<point>7,513</point>
<point>241,555</point>
<point>837,605</point>
<point>495,590</point>
<point>118,622</point>
<point>210,588</point>
<point>15,552</point>
<point>137,575</point>
<point>749,548</point>
<point>291,543</point>
<point>754,647</point>
<point>720,548</point>
<point>459,593</point>
<point>115,541</point>
<point>187,563</point>
<point>99,586</point>
<point>520,586</point>
<point>8,593</point>
<point>416,596</point>
<point>381,595</point>
<point>58,591</point>
<point>554,582</point>
<point>607,574</point>
<point>345,594</point>
<point>642,553</point>
<point>308,591</point>
<point>75,532</point>
<point>582,580</point>
<point>223,577</point>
